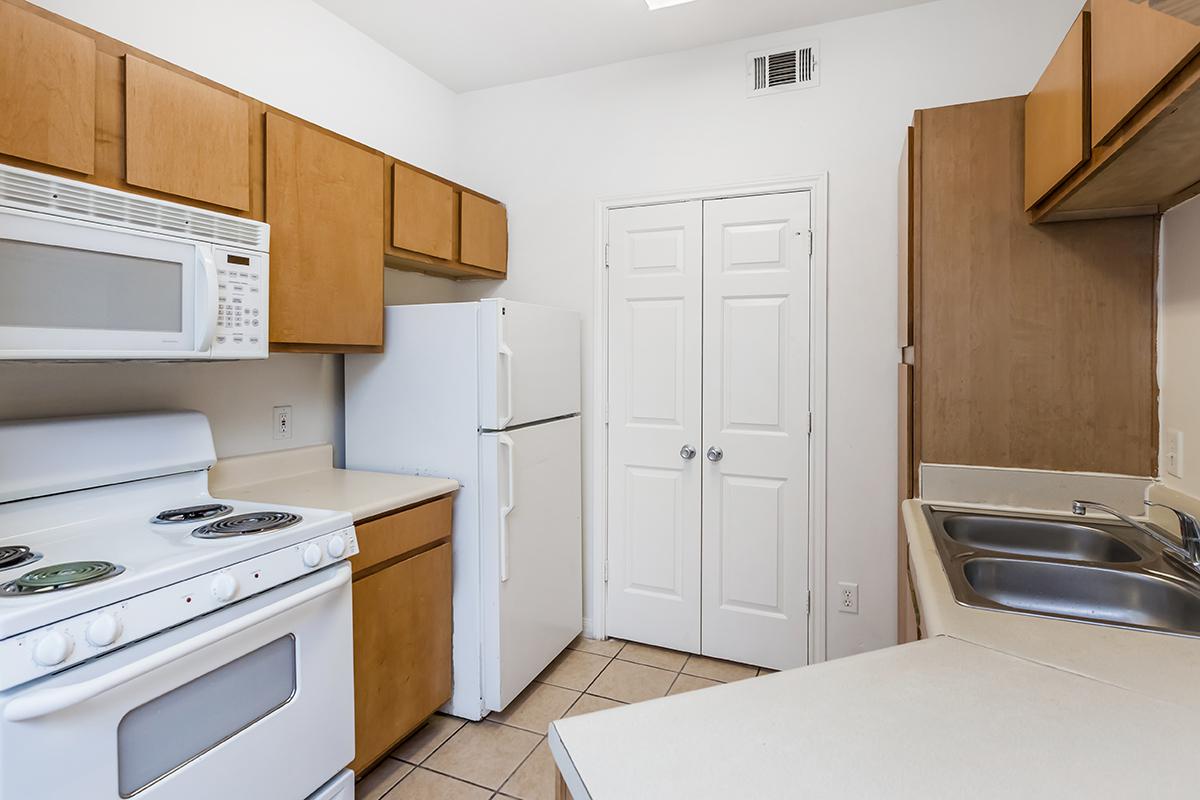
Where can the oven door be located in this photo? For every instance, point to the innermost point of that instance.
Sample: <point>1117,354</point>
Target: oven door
<point>77,290</point>
<point>255,700</point>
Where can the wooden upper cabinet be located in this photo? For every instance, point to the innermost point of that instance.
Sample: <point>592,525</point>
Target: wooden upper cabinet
<point>1135,50</point>
<point>325,205</point>
<point>424,211</point>
<point>185,137</point>
<point>484,236</point>
<point>47,91</point>
<point>1057,116</point>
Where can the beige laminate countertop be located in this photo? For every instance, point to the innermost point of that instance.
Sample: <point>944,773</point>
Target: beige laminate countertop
<point>992,705</point>
<point>306,477</point>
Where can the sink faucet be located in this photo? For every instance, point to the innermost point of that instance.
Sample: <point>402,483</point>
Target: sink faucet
<point>1189,527</point>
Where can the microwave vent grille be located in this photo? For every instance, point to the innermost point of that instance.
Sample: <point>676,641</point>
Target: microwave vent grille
<point>67,198</point>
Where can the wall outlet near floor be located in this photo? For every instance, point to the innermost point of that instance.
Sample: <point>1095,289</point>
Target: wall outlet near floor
<point>848,598</point>
<point>1174,457</point>
<point>283,423</point>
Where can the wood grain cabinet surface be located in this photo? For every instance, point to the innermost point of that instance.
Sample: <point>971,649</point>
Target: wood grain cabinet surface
<point>325,205</point>
<point>424,213</point>
<point>402,626</point>
<point>1058,116</point>
<point>484,233</point>
<point>185,137</point>
<point>1034,344</point>
<point>1135,50</point>
<point>1144,117</point>
<point>47,91</point>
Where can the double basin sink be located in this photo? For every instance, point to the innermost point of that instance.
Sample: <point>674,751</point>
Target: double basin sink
<point>1087,571</point>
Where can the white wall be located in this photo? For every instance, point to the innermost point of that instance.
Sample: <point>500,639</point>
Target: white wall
<point>552,147</point>
<point>295,55</point>
<point>1179,332</point>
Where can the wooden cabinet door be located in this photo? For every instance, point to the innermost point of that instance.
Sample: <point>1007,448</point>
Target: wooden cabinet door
<point>325,207</point>
<point>423,213</point>
<point>1058,117</point>
<point>1135,50</point>
<point>184,137</point>
<point>402,627</point>
<point>484,233</point>
<point>47,91</point>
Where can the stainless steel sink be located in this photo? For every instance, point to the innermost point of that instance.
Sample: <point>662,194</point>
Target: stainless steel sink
<point>1095,594</point>
<point>1100,572</point>
<point>1037,537</point>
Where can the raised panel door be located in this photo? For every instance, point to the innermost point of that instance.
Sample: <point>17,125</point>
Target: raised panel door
<point>756,429</point>
<point>655,284</point>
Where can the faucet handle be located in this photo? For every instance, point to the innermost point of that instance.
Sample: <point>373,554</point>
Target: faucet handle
<point>1189,528</point>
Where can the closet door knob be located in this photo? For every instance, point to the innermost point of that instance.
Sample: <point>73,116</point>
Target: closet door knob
<point>714,454</point>
<point>687,452</point>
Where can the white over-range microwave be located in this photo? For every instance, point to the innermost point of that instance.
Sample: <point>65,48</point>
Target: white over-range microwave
<point>89,273</point>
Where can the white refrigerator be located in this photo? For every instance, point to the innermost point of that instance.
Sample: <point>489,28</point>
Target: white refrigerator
<point>487,393</point>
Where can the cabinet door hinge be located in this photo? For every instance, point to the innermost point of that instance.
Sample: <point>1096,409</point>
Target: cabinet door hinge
<point>810,243</point>
<point>808,603</point>
<point>606,255</point>
<point>810,423</point>
<point>605,571</point>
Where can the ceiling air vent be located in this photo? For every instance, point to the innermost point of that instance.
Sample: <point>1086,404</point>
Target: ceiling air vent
<point>773,71</point>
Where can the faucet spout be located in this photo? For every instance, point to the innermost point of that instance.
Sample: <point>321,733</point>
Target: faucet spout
<point>1189,529</point>
<point>1189,555</point>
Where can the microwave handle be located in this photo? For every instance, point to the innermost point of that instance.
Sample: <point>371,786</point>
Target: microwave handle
<point>209,306</point>
<point>48,701</point>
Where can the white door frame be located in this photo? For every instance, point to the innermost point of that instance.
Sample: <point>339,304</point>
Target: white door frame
<point>818,185</point>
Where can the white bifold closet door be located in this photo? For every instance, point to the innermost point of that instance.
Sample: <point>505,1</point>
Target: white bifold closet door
<point>754,524</point>
<point>655,333</point>
<point>709,350</point>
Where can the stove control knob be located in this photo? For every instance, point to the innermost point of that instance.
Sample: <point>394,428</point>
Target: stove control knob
<point>103,630</point>
<point>224,587</point>
<point>336,546</point>
<point>52,649</point>
<point>312,555</point>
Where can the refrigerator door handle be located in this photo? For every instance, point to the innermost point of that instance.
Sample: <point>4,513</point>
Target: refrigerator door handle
<point>506,442</point>
<point>506,355</point>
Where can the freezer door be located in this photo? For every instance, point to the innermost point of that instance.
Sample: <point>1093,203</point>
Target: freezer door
<point>529,363</point>
<point>532,553</point>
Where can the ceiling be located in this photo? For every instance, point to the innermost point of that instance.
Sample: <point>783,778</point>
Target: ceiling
<point>476,44</point>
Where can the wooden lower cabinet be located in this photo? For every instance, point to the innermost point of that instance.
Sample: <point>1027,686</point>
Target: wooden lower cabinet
<point>402,629</point>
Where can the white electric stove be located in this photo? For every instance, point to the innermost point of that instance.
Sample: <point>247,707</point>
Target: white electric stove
<point>209,640</point>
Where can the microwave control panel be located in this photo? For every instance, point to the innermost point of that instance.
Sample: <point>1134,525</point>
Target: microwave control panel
<point>241,304</point>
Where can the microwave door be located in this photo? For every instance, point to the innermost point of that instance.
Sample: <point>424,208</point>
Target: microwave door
<point>76,290</point>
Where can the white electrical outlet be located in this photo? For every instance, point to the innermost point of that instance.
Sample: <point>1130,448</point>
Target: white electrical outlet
<point>283,422</point>
<point>1174,456</point>
<point>848,598</point>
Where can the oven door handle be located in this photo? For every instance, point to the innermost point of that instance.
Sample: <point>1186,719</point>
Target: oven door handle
<point>48,701</point>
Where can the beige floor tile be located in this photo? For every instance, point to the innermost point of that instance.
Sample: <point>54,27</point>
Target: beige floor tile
<point>632,683</point>
<point>766,671</point>
<point>717,670</point>
<point>380,780</point>
<point>533,780</point>
<point>687,683</point>
<point>589,703</point>
<point>600,647</point>
<point>485,753</point>
<point>537,707</point>
<point>574,669</point>
<point>653,656</point>
<point>425,740</point>
<point>425,785</point>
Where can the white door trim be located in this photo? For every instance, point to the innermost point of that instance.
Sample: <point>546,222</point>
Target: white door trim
<point>596,626</point>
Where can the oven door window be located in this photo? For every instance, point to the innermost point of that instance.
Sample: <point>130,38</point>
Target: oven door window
<point>165,734</point>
